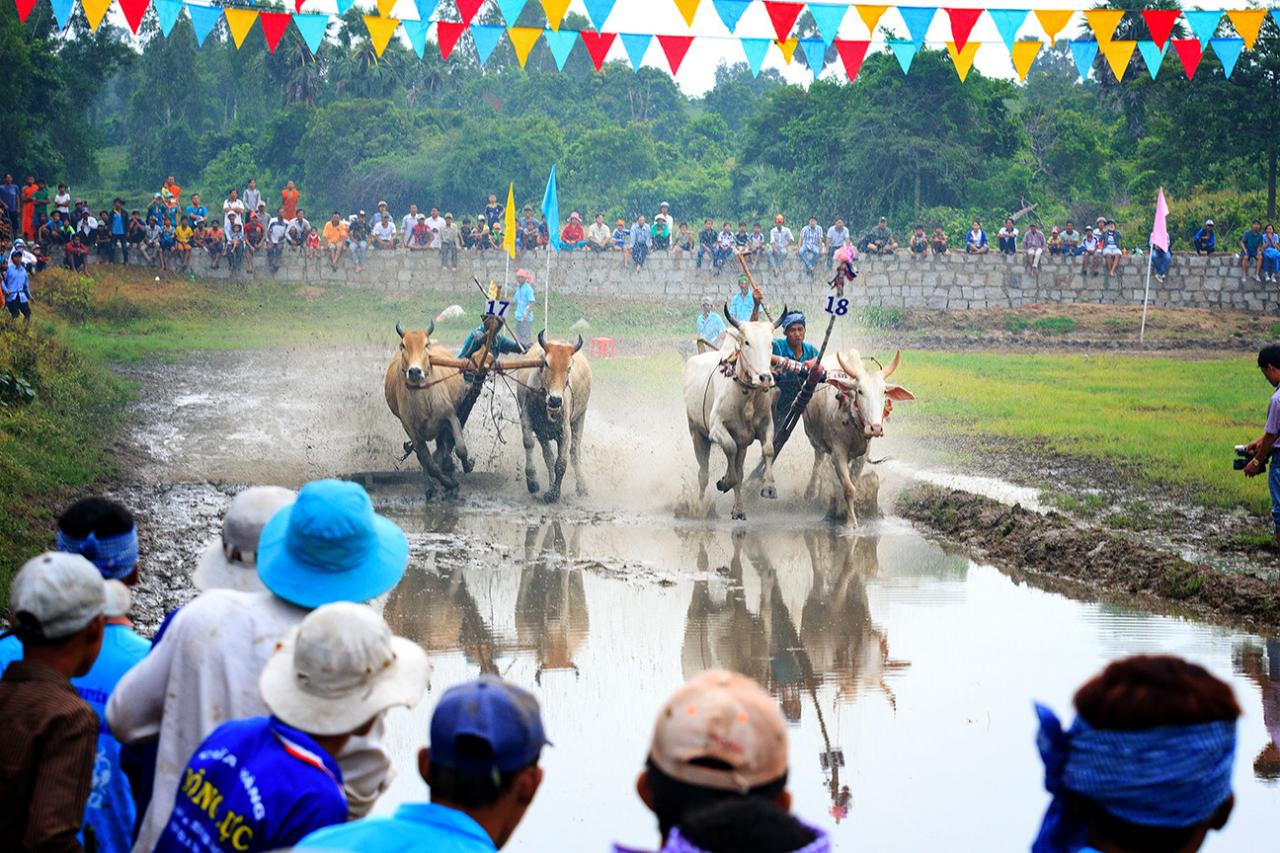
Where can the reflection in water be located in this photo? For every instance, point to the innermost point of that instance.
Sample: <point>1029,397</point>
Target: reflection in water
<point>1263,669</point>
<point>439,613</point>
<point>551,607</point>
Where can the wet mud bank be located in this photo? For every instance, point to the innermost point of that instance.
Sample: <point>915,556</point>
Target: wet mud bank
<point>1047,549</point>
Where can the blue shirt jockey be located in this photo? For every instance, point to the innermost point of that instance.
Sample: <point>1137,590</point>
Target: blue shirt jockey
<point>789,381</point>
<point>710,328</point>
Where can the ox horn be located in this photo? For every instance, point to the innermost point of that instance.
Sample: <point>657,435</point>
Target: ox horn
<point>578,346</point>
<point>542,339</point>
<point>431,327</point>
<point>733,321</point>
<point>400,329</point>
<point>843,366</point>
<point>786,309</point>
<point>893,365</point>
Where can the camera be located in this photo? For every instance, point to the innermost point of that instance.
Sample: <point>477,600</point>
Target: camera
<point>1243,457</point>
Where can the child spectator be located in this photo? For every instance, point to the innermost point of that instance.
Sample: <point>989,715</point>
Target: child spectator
<point>1251,252</point>
<point>938,241</point>
<point>1112,248</point>
<point>215,243</point>
<point>277,234</point>
<point>1055,242</point>
<point>182,245</point>
<point>918,243</point>
<point>706,242</point>
<point>975,240</point>
<point>1091,251</point>
<point>493,211</point>
<point>1204,240</point>
<point>1007,237</point>
<point>254,238</point>
<point>621,236</point>
<point>235,247</point>
<point>757,242</point>
<point>168,243</point>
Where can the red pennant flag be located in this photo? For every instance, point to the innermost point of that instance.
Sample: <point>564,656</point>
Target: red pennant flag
<point>783,16</point>
<point>962,21</point>
<point>273,26</point>
<point>133,12</point>
<point>297,4</point>
<point>675,47</point>
<point>851,54</point>
<point>1160,23</point>
<point>597,45</point>
<point>447,34</point>
<point>467,9</point>
<point>1189,52</point>
<point>24,9</point>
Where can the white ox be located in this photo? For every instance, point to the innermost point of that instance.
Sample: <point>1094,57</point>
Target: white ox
<point>846,412</point>
<point>728,402</point>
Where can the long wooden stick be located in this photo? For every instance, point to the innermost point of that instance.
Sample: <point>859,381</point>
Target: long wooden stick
<point>754,287</point>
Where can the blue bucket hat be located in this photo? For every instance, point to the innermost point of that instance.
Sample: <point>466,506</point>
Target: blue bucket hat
<point>488,709</point>
<point>330,546</point>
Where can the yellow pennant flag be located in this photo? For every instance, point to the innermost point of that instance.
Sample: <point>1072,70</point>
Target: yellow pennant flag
<point>240,21</point>
<point>1023,54</point>
<point>94,10</point>
<point>1053,20</point>
<point>688,8</point>
<point>1118,54</point>
<point>963,59</point>
<point>385,7</point>
<point>509,237</point>
<point>380,32</point>
<point>555,10</point>
<point>788,48</point>
<point>871,16</point>
<point>1103,22</point>
<point>1247,23</point>
<point>523,39</point>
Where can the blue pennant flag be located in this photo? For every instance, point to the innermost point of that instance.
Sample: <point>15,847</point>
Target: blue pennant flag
<point>344,5</point>
<point>755,50</point>
<point>561,43</point>
<point>636,44</point>
<point>917,19</point>
<point>598,11</point>
<point>426,8</point>
<point>510,10</point>
<point>1084,52</point>
<point>416,32</point>
<point>311,27</point>
<point>1228,51</point>
<point>905,50</point>
<point>1152,56</point>
<point>1203,24</point>
<point>486,38</point>
<point>62,12</point>
<point>203,20</point>
<point>551,210</point>
<point>814,54</point>
<point>828,19</point>
<point>730,11</point>
<point>167,12</point>
<point>1008,22</point>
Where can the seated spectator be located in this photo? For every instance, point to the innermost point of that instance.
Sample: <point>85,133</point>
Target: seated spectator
<point>938,241</point>
<point>1033,246</point>
<point>214,243</point>
<point>102,238</point>
<point>661,233</point>
<point>1055,246</point>
<point>639,242</point>
<point>741,239</point>
<point>724,246</point>
<point>408,222</point>
<point>420,236</point>
<point>1147,763</point>
<point>710,328</point>
<point>358,239</point>
<point>1270,252</point>
<point>918,243</point>
<point>1251,252</point>
<point>1204,240</point>
<point>169,242</point>
<point>299,226</point>
<point>235,247</point>
<point>572,236</point>
<point>1090,251</point>
<point>335,239</point>
<point>482,769</point>
<point>182,245</point>
<point>528,237</point>
<point>599,239</point>
<point>74,253</point>
<point>975,240</point>
<point>811,245</point>
<point>1112,247</point>
<point>196,211</point>
<point>881,241</point>
<point>780,240</point>
<point>468,242</point>
<point>451,240</point>
<point>277,235</point>
<point>255,236</point>
<point>1007,237</point>
<point>622,239</point>
<point>756,243</point>
<point>1071,240</point>
<point>384,232</point>
<point>683,242</point>
<point>1160,261</point>
<point>706,242</point>
<point>837,236</point>
<point>135,233</point>
<point>481,236</point>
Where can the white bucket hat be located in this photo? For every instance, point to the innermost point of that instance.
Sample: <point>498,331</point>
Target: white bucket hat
<point>57,594</point>
<point>340,668</point>
<point>231,560</point>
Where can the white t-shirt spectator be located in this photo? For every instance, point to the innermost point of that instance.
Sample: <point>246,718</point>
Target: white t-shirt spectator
<point>229,207</point>
<point>62,203</point>
<point>781,238</point>
<point>599,234</point>
<point>277,230</point>
<point>384,230</point>
<point>435,223</point>
<point>837,237</point>
<point>407,223</point>
<point>1007,232</point>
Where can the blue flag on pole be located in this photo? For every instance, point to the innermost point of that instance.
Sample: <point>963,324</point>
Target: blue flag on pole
<point>551,210</point>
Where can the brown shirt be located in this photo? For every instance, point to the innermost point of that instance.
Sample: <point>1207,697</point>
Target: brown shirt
<point>48,743</point>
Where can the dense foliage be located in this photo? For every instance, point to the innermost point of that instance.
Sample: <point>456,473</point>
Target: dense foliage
<point>352,129</point>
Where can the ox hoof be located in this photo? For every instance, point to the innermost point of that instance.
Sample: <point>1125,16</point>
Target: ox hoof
<point>737,515</point>
<point>723,485</point>
<point>468,464</point>
<point>551,497</point>
<point>769,492</point>
<point>533,486</point>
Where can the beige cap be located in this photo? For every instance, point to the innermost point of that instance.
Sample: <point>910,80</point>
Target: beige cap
<point>725,717</point>
<point>339,669</point>
<point>230,561</point>
<point>118,599</point>
<point>56,594</point>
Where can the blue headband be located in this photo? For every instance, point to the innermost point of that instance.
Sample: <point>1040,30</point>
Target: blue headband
<point>1171,776</point>
<point>791,319</point>
<point>115,556</point>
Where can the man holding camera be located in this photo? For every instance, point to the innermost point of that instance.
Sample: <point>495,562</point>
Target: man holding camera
<point>1260,448</point>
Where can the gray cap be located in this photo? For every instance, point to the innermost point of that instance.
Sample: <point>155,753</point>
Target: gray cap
<point>56,594</point>
<point>231,561</point>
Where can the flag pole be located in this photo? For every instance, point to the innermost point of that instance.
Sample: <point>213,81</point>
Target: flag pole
<point>1142,331</point>
<point>546,295</point>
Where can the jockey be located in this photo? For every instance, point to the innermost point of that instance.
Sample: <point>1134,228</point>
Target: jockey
<point>800,355</point>
<point>502,345</point>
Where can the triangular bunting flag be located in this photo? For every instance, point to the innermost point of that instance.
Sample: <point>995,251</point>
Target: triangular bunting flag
<point>203,20</point>
<point>788,48</point>
<point>380,32</point>
<point>1103,22</point>
<point>1152,56</point>
<point>636,44</point>
<point>416,32</point>
<point>1053,20</point>
<point>1189,51</point>
<point>467,9</point>
<point>1247,23</point>
<point>25,7</point>
<point>62,13</point>
<point>598,11</point>
<point>385,7</point>
<point>561,44</point>
<point>1160,23</point>
<point>1203,24</point>
<point>447,35</point>
<point>917,19</point>
<point>486,38</point>
<point>511,10</point>
<point>688,8</point>
<point>95,9</point>
<point>962,21</point>
<point>133,11</point>
<point>1118,54</point>
<point>1084,52</point>
<point>167,12</point>
<point>962,58</point>
<point>730,11</point>
<point>1228,51</point>
<point>1008,22</point>
<point>240,21</point>
<point>523,39</point>
<point>426,8</point>
<point>851,54</point>
<point>755,51</point>
<point>273,26</point>
<point>1023,54</point>
<point>783,16</point>
<point>597,45</point>
<point>815,52</point>
<point>675,47</point>
<point>828,20</point>
<point>905,51</point>
<point>344,5</point>
<point>870,16</point>
<point>555,10</point>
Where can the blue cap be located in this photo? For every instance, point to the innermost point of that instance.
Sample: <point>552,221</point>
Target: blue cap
<point>330,546</point>
<point>488,709</point>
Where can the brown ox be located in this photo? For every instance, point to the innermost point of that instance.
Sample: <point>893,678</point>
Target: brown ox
<point>424,387</point>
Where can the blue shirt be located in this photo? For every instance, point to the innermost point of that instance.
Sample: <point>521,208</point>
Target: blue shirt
<point>110,807</point>
<point>1206,235</point>
<point>254,784</point>
<point>525,297</point>
<point>16,286</point>
<point>787,380</point>
<point>710,327</point>
<point>501,343</point>
<point>117,223</point>
<point>977,242</point>
<point>415,828</point>
<point>742,306</point>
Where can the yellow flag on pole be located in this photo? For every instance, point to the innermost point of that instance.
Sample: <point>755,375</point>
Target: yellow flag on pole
<point>380,32</point>
<point>523,39</point>
<point>1023,54</point>
<point>963,59</point>
<point>509,222</point>
<point>94,10</point>
<point>1053,20</point>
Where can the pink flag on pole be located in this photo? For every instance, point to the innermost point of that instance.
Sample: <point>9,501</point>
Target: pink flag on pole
<point>1160,232</point>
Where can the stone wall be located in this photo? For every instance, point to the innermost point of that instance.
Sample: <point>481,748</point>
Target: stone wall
<point>950,282</point>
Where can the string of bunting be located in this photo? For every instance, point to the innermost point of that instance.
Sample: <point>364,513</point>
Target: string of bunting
<point>828,19</point>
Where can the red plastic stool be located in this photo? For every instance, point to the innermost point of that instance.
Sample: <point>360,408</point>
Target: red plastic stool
<point>603,347</point>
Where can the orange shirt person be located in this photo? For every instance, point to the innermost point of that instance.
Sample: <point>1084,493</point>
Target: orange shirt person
<point>289,201</point>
